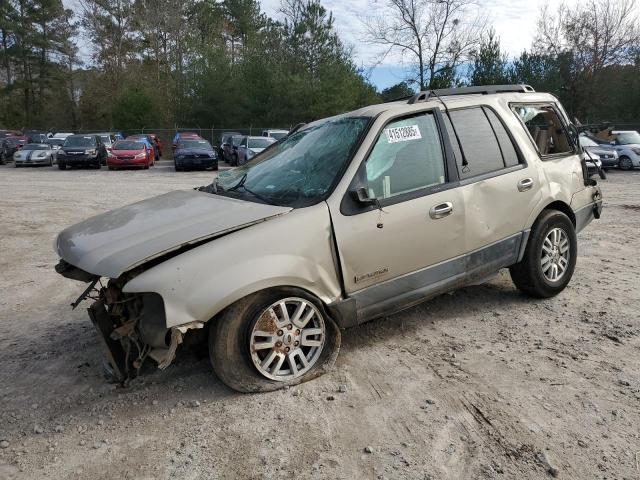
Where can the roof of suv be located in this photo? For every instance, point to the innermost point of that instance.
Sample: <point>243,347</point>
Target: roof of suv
<point>456,97</point>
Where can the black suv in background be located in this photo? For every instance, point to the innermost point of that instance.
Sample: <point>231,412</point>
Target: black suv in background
<point>82,151</point>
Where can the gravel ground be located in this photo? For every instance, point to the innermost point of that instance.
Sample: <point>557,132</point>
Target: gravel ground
<point>481,383</point>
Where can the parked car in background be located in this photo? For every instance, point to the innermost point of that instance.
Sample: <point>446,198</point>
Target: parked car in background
<point>9,146</point>
<point>351,218</point>
<point>251,146</point>
<point>148,141</point>
<point>606,153</point>
<point>62,135</point>
<point>275,133</point>
<point>56,145</point>
<point>34,154</point>
<point>157,143</point>
<point>9,133</point>
<point>36,136</point>
<point>82,151</point>
<point>224,138</point>
<point>626,143</point>
<point>194,154</point>
<point>230,149</point>
<point>183,136</point>
<point>130,154</point>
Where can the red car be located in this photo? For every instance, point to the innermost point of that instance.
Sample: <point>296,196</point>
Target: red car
<point>130,153</point>
<point>148,141</point>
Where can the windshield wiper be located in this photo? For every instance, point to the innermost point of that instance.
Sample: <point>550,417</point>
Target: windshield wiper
<point>241,184</point>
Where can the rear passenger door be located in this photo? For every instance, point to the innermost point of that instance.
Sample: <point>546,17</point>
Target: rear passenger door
<point>500,190</point>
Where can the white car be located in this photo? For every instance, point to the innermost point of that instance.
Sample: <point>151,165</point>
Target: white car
<point>275,133</point>
<point>62,135</point>
<point>627,144</point>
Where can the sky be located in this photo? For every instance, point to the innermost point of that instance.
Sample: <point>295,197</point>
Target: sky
<point>513,20</point>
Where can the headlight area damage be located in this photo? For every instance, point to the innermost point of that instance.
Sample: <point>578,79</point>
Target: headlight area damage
<point>131,327</point>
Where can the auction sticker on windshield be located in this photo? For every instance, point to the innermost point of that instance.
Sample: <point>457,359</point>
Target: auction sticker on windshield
<point>403,134</point>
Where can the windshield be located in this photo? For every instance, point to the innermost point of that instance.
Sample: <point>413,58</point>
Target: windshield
<point>587,142</point>
<point>128,145</point>
<point>35,146</point>
<point>200,144</point>
<point>13,141</point>
<point>301,170</point>
<point>55,141</point>
<point>80,141</point>
<point>237,140</point>
<point>628,138</point>
<point>106,139</point>
<point>259,142</point>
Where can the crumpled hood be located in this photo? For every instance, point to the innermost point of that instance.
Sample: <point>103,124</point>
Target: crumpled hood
<point>114,242</point>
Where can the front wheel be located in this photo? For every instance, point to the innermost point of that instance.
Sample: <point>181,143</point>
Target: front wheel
<point>62,166</point>
<point>550,257</point>
<point>273,339</point>
<point>625,163</point>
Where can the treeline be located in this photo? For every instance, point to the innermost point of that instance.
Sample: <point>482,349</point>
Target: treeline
<point>159,63</point>
<point>224,63</point>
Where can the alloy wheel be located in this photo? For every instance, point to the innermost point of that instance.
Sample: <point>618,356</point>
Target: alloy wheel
<point>287,339</point>
<point>554,259</point>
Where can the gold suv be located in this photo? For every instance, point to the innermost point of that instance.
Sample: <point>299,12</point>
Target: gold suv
<point>344,220</point>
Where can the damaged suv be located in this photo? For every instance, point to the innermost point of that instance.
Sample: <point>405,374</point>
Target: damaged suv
<point>345,220</point>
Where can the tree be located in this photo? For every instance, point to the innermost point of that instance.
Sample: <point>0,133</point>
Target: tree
<point>397,91</point>
<point>489,63</point>
<point>586,42</point>
<point>436,35</point>
<point>134,110</point>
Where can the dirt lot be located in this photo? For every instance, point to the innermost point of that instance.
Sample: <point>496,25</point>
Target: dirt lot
<point>482,383</point>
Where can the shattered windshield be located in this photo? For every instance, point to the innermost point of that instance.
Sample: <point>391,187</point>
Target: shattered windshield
<point>300,170</point>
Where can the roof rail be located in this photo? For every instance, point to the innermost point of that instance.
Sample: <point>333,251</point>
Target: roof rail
<point>479,90</point>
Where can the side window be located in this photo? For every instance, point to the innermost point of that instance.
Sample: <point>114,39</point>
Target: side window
<point>406,157</point>
<point>509,153</point>
<point>478,141</point>
<point>545,128</point>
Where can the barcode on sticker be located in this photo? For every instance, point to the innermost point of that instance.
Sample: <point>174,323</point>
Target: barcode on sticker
<point>403,134</point>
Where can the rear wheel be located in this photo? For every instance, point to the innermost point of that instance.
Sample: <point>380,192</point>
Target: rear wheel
<point>625,163</point>
<point>273,339</point>
<point>550,257</point>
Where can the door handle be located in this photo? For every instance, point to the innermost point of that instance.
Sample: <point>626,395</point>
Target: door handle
<point>441,210</point>
<point>525,184</point>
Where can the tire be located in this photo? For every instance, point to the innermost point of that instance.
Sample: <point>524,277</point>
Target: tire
<point>528,275</point>
<point>62,166</point>
<point>230,339</point>
<point>146,166</point>
<point>625,163</point>
<point>111,168</point>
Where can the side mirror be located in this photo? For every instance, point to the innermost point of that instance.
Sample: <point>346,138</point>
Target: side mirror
<point>361,195</point>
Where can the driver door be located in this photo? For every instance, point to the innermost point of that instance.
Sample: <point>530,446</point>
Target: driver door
<point>393,253</point>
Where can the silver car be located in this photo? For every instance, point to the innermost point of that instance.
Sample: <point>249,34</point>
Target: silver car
<point>607,155</point>
<point>251,146</point>
<point>33,154</point>
<point>348,219</point>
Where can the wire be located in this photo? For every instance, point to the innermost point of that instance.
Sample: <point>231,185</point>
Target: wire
<point>465,163</point>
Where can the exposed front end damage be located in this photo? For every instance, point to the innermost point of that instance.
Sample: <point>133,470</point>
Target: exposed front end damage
<point>131,326</point>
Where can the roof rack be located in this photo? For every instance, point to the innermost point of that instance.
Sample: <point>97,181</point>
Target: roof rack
<point>479,90</point>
